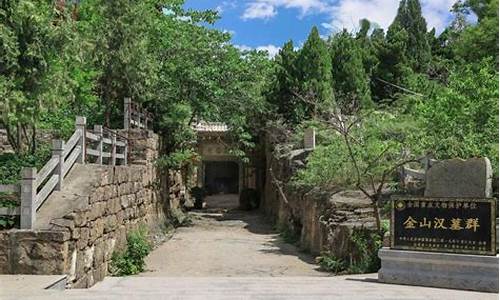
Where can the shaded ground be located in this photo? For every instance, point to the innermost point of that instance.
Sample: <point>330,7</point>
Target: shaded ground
<point>228,243</point>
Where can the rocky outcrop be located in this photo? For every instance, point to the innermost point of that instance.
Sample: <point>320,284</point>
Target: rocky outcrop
<point>324,220</point>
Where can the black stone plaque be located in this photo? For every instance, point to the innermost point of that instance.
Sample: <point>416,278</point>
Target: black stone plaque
<point>456,225</point>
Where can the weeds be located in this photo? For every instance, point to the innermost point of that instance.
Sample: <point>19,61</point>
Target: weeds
<point>131,261</point>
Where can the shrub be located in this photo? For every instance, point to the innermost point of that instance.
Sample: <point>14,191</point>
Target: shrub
<point>363,257</point>
<point>131,261</point>
<point>330,263</point>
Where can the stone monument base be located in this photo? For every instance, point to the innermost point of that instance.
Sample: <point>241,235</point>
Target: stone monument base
<point>443,270</point>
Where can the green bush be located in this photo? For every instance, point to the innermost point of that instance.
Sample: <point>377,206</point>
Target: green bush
<point>363,256</point>
<point>8,200</point>
<point>131,261</point>
<point>11,163</point>
<point>330,263</point>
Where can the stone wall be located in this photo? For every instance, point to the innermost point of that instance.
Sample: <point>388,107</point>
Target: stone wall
<point>80,243</point>
<point>322,219</point>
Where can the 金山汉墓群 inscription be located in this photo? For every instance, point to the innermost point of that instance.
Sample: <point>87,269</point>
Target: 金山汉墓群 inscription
<point>457,225</point>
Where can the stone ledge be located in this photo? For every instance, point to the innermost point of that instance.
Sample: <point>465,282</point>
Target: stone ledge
<point>444,270</point>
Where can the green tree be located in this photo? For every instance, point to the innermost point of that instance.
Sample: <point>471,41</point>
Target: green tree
<point>461,119</point>
<point>120,51</point>
<point>314,68</point>
<point>350,80</point>
<point>34,38</point>
<point>479,41</point>
<point>285,83</point>
<point>393,67</point>
<point>417,50</point>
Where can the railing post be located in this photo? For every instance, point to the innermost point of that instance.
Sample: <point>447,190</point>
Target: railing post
<point>81,125</point>
<point>98,131</point>
<point>113,149</point>
<point>57,151</point>
<point>28,196</point>
<point>125,153</point>
<point>126,113</point>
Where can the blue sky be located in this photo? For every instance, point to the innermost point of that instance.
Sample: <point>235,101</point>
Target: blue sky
<point>267,24</point>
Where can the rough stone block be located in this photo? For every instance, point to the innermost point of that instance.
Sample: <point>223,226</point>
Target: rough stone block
<point>107,177</point>
<point>97,195</point>
<point>113,206</point>
<point>38,256</point>
<point>110,247</point>
<point>124,201</point>
<point>88,257</point>
<point>459,178</point>
<point>97,210</point>
<point>83,240</point>
<point>96,230</point>
<point>110,223</point>
<point>443,270</point>
<point>99,251</point>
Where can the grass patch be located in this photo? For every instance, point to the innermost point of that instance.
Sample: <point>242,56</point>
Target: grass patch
<point>131,261</point>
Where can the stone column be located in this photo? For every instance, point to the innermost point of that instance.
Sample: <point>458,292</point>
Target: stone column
<point>28,196</point>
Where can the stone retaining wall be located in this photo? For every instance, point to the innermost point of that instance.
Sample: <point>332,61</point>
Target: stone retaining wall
<point>81,243</point>
<point>322,219</point>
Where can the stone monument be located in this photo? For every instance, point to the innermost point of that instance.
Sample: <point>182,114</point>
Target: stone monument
<point>446,239</point>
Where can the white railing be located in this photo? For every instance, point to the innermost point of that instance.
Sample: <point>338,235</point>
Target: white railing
<point>134,116</point>
<point>109,147</point>
<point>36,186</point>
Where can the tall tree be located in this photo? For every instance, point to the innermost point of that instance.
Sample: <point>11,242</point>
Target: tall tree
<point>350,80</point>
<point>409,18</point>
<point>286,83</point>
<point>33,74</point>
<point>315,72</point>
<point>393,65</point>
<point>120,30</point>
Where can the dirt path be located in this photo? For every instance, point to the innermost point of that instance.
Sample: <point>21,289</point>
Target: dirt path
<point>234,243</point>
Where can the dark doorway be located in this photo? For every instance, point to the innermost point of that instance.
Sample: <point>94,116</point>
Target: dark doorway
<point>221,177</point>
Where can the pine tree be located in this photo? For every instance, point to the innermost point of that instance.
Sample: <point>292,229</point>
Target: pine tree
<point>350,80</point>
<point>409,17</point>
<point>314,71</point>
<point>393,65</point>
<point>285,83</point>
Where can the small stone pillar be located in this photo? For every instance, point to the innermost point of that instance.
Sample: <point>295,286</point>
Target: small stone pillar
<point>28,197</point>
<point>310,138</point>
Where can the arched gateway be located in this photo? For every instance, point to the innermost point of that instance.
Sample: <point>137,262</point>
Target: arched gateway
<point>219,171</point>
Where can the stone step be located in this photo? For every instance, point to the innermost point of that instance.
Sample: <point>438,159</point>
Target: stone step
<point>290,288</point>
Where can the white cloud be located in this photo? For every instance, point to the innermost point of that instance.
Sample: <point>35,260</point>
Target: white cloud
<point>226,5</point>
<point>347,13</point>
<point>266,9</point>
<point>243,47</point>
<point>272,50</point>
<point>259,10</point>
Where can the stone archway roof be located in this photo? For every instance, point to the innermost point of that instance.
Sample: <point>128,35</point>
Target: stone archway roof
<point>204,126</point>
